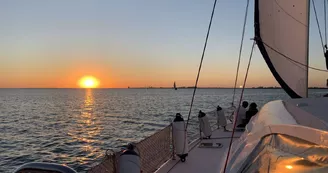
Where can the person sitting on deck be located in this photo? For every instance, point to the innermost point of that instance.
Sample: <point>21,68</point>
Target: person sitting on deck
<point>241,115</point>
<point>252,110</point>
<point>221,119</point>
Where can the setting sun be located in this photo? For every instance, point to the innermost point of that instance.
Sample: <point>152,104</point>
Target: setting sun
<point>88,82</point>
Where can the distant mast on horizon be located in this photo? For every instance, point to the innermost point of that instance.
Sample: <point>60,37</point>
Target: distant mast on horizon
<point>174,86</point>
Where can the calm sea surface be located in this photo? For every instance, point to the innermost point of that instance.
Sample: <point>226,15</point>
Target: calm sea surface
<point>76,126</point>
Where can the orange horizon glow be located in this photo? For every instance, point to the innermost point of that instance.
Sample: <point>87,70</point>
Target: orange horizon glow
<point>127,75</point>
<point>88,82</point>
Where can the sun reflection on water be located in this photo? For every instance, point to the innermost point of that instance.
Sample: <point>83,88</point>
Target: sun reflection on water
<point>87,108</point>
<point>87,131</point>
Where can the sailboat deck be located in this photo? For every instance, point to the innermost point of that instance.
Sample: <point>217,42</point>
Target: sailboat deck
<point>201,159</point>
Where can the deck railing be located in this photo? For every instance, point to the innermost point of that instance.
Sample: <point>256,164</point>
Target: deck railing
<point>153,150</point>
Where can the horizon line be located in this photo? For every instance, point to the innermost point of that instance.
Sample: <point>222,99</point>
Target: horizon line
<point>189,87</point>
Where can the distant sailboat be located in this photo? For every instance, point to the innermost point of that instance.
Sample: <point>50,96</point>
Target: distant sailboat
<point>174,86</point>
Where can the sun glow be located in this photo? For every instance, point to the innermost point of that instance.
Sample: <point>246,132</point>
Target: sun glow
<point>88,82</point>
<point>289,166</point>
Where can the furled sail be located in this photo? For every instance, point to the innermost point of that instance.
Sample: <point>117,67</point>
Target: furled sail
<point>281,30</point>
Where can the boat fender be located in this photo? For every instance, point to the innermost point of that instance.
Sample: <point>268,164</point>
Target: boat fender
<point>204,124</point>
<point>129,161</point>
<point>180,137</point>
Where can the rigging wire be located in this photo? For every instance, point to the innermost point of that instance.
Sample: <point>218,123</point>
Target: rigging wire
<point>288,58</point>
<point>325,14</point>
<point>241,98</point>
<point>326,53</point>
<point>240,51</point>
<point>316,17</point>
<point>201,62</point>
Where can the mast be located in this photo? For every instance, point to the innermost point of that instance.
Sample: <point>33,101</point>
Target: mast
<point>307,48</point>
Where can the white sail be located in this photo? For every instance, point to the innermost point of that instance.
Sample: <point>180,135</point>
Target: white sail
<point>281,29</point>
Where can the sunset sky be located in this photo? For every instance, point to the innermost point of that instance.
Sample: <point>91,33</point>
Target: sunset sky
<point>53,44</point>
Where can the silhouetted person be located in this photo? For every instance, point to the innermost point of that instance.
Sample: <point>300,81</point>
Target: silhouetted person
<point>241,114</point>
<point>221,119</point>
<point>252,110</point>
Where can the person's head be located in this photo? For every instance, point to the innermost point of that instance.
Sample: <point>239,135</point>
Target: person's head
<point>218,108</point>
<point>131,146</point>
<point>253,105</point>
<point>178,115</point>
<point>201,114</point>
<point>245,104</point>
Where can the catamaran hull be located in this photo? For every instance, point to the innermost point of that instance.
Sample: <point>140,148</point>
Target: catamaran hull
<point>294,127</point>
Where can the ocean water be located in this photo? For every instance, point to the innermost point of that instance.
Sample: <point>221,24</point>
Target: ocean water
<point>76,126</point>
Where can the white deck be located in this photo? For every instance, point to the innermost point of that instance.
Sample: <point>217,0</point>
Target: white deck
<point>200,160</point>
<point>302,118</point>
